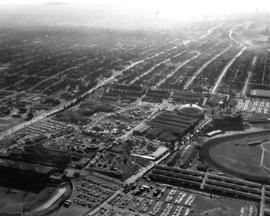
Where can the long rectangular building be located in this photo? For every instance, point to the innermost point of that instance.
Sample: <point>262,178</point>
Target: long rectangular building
<point>172,124</point>
<point>261,93</point>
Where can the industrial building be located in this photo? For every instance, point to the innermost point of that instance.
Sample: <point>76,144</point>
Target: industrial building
<point>169,126</point>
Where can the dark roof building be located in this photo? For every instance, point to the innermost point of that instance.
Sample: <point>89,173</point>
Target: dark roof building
<point>168,126</point>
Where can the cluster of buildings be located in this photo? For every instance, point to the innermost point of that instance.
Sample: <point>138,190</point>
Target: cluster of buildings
<point>169,126</point>
<point>123,93</point>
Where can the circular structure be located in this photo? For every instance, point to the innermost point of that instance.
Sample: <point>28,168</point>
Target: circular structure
<point>243,155</point>
<point>191,110</point>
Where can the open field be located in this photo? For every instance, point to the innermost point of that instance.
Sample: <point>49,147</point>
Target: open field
<point>240,155</point>
<point>8,123</point>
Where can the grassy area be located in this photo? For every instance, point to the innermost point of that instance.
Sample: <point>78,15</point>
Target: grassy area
<point>239,155</point>
<point>8,123</point>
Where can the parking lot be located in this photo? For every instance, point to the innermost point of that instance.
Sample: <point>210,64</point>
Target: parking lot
<point>260,106</point>
<point>164,200</point>
<point>91,191</point>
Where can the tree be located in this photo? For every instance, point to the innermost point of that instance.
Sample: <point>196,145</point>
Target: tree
<point>30,115</point>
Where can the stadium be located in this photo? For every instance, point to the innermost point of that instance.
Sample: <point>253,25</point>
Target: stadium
<point>243,155</point>
<point>31,186</point>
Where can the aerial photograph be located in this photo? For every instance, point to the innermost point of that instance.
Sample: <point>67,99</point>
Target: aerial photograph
<point>134,108</point>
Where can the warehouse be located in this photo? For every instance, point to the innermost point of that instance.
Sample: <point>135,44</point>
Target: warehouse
<point>172,125</point>
<point>261,93</point>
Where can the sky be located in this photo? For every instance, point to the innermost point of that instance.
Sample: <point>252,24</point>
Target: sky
<point>112,12</point>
